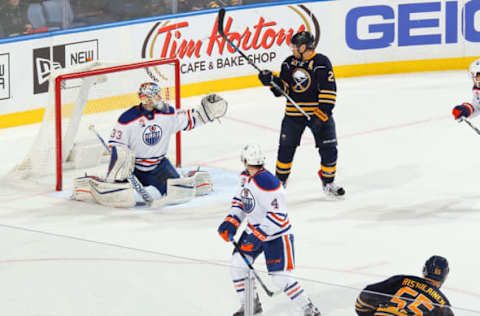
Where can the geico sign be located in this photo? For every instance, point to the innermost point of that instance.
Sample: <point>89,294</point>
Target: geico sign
<point>423,23</point>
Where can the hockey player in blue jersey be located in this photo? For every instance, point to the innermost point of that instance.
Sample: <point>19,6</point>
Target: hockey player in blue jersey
<point>405,295</point>
<point>307,78</point>
<point>139,144</point>
<point>260,200</point>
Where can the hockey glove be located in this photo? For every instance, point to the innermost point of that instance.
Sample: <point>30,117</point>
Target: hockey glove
<point>249,243</point>
<point>228,228</point>
<point>463,110</point>
<point>212,107</point>
<point>265,77</point>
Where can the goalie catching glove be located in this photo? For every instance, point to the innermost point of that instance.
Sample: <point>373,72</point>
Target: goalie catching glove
<point>212,107</point>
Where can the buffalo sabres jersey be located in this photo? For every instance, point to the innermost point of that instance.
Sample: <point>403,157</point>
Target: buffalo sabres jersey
<point>147,133</point>
<point>403,295</point>
<point>261,200</point>
<point>310,83</point>
<point>474,107</point>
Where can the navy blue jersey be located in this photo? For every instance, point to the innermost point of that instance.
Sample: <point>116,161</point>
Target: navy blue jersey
<point>310,83</point>
<point>403,295</point>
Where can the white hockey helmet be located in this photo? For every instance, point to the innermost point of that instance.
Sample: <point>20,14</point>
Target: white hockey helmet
<point>253,155</point>
<point>474,71</point>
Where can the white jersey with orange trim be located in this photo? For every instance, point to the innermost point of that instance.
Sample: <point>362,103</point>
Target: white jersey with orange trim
<point>148,133</point>
<point>261,200</point>
<point>474,106</point>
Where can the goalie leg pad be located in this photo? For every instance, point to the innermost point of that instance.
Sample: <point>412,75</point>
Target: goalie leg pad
<point>203,183</point>
<point>122,164</point>
<point>81,189</point>
<point>119,194</point>
<point>180,190</point>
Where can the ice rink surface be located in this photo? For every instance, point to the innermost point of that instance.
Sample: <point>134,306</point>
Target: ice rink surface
<point>411,174</point>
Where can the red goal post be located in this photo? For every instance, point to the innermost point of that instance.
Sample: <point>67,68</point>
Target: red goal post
<point>94,94</point>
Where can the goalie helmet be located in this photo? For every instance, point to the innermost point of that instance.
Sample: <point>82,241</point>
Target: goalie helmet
<point>149,90</point>
<point>152,92</point>
<point>303,37</point>
<point>474,71</point>
<point>252,154</point>
<point>436,268</point>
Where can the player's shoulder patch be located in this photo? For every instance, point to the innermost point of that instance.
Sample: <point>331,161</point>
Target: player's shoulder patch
<point>266,181</point>
<point>130,115</point>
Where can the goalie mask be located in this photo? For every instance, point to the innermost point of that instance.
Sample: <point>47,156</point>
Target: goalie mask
<point>150,95</point>
<point>436,268</point>
<point>252,154</point>
<point>475,72</point>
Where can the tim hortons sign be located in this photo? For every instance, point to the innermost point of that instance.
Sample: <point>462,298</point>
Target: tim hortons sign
<point>259,38</point>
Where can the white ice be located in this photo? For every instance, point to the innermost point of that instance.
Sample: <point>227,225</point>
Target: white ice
<point>412,179</point>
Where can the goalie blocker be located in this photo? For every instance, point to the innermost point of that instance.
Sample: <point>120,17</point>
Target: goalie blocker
<point>117,191</point>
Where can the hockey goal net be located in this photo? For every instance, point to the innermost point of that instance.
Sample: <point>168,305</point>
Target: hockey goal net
<point>87,99</point>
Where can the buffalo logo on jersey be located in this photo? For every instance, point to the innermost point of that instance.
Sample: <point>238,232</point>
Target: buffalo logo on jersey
<point>248,200</point>
<point>152,135</point>
<point>302,80</point>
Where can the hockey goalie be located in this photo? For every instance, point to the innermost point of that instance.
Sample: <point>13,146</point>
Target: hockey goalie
<point>139,171</point>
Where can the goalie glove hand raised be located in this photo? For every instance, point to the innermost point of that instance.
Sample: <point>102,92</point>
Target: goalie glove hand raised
<point>212,107</point>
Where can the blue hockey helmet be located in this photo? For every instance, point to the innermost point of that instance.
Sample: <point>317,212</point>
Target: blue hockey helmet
<point>436,268</point>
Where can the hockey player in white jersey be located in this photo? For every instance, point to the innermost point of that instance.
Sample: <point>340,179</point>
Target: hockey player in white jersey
<point>260,201</point>
<point>139,144</point>
<point>470,109</point>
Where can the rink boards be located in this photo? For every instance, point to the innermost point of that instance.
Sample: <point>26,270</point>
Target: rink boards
<point>376,38</point>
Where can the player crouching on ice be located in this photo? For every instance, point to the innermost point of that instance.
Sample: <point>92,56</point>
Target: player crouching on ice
<point>139,171</point>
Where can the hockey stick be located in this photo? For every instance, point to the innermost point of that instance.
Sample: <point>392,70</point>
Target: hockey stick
<point>476,129</point>
<point>221,17</point>
<point>269,293</point>
<point>131,178</point>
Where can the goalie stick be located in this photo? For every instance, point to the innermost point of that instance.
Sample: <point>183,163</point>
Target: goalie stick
<point>221,17</point>
<point>476,129</point>
<point>131,178</point>
<point>269,293</point>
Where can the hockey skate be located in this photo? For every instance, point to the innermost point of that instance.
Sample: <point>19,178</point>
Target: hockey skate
<point>333,190</point>
<point>257,309</point>
<point>311,310</point>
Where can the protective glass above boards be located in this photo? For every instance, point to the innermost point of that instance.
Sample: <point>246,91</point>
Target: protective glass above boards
<point>25,17</point>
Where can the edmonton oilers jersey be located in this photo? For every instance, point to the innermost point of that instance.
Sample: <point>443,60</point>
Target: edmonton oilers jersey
<point>475,106</point>
<point>406,295</point>
<point>148,133</point>
<point>310,83</point>
<point>261,200</point>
